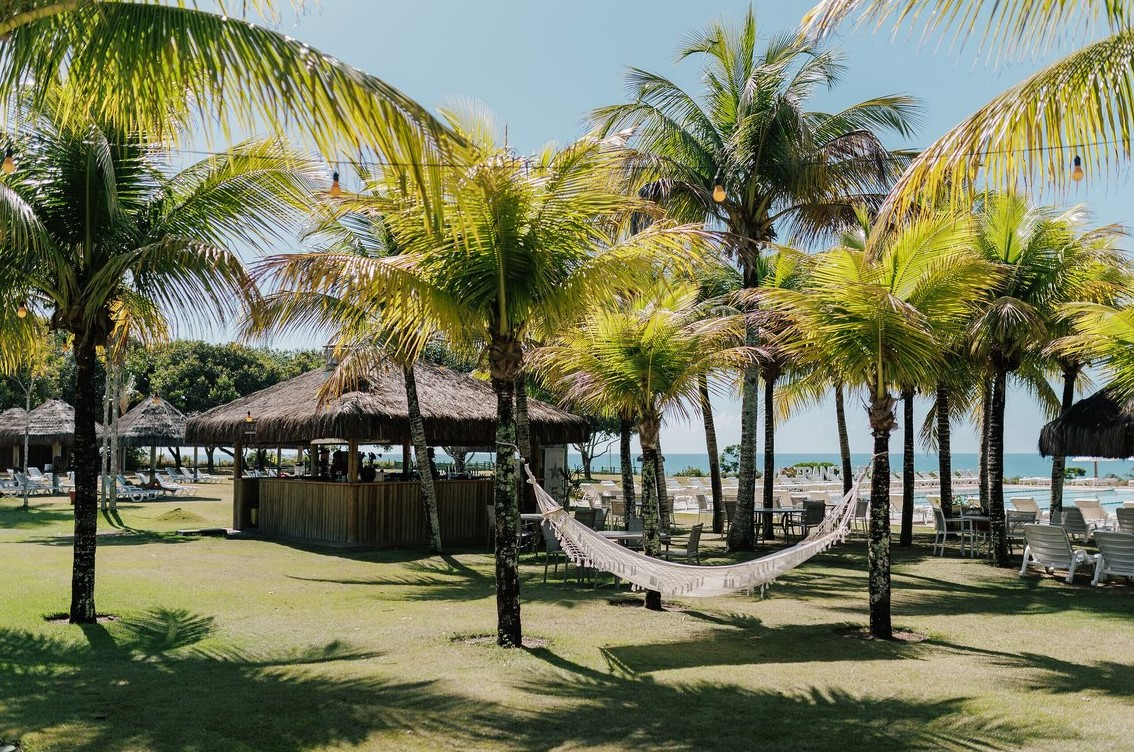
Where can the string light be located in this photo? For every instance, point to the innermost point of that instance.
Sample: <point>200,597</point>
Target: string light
<point>336,189</point>
<point>22,311</point>
<point>9,165</point>
<point>1077,171</point>
<point>718,188</point>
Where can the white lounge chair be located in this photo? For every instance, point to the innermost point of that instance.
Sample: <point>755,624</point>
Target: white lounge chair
<point>1116,555</point>
<point>1049,546</point>
<point>1093,513</point>
<point>1075,524</point>
<point>1125,519</point>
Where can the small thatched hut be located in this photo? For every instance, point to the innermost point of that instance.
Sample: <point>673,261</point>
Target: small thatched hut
<point>14,419</point>
<point>52,424</point>
<point>342,507</point>
<point>152,422</point>
<point>1099,426</point>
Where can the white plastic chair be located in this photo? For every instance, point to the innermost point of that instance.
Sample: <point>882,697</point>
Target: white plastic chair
<point>1116,555</point>
<point>1049,546</point>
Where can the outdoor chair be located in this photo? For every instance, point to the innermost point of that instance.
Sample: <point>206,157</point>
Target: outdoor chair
<point>1014,522</point>
<point>691,553</point>
<point>1093,513</point>
<point>814,511</point>
<point>1025,504</point>
<point>1049,546</point>
<point>553,550</point>
<point>1125,519</point>
<point>1116,555</point>
<point>586,516</point>
<point>862,514</point>
<point>950,526</point>
<point>702,506</point>
<point>1073,522</point>
<point>600,519</point>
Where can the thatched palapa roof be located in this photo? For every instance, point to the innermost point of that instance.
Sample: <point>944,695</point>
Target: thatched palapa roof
<point>1099,426</point>
<point>13,419</point>
<point>456,408</point>
<point>53,422</point>
<point>152,422</point>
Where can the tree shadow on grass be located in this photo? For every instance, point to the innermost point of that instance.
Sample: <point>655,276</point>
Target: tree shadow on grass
<point>587,708</point>
<point>163,681</point>
<point>16,518</point>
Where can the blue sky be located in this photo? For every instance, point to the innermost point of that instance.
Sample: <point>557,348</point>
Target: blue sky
<point>541,66</point>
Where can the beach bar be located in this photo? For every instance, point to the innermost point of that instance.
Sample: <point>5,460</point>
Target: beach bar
<point>343,501</point>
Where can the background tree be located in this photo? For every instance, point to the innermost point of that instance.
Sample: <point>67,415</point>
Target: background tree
<point>784,171</point>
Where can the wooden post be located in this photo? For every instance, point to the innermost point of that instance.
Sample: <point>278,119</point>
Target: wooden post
<point>237,491</point>
<point>352,461</point>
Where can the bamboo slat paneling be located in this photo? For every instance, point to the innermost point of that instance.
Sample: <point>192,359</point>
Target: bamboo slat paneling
<point>384,515</point>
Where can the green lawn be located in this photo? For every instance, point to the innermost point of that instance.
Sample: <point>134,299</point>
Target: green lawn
<point>252,645</point>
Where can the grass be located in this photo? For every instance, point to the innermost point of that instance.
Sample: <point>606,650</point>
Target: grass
<point>254,645</point>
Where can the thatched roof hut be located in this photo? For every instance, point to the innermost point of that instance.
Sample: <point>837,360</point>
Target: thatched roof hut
<point>152,422</point>
<point>456,408</point>
<point>13,419</point>
<point>1099,426</point>
<point>53,422</point>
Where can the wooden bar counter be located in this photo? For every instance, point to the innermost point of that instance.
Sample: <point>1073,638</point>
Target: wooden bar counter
<point>388,514</point>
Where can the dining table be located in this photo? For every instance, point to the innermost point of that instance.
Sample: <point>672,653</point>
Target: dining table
<point>784,513</point>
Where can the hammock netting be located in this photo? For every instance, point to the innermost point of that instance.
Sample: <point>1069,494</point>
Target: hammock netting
<point>586,547</point>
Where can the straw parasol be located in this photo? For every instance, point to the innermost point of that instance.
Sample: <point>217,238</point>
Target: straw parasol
<point>1099,426</point>
<point>50,424</point>
<point>456,408</point>
<point>153,421</point>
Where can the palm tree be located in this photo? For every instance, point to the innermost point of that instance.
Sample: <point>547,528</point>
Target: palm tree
<point>782,171</point>
<point>645,355</point>
<point>103,235</point>
<point>878,317</point>
<point>520,246</point>
<point>148,66</point>
<point>1072,114</point>
<point>1037,251</point>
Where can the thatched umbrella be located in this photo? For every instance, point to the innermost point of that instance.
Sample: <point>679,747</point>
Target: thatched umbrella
<point>1099,426</point>
<point>14,419</point>
<point>152,422</point>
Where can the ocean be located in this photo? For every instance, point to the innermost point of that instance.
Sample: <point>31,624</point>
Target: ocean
<point>1015,465</point>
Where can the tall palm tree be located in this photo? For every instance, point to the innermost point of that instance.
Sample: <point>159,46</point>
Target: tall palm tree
<point>520,246</point>
<point>783,171</point>
<point>1073,113</point>
<point>645,355</point>
<point>1036,250</point>
<point>103,234</point>
<point>878,316</point>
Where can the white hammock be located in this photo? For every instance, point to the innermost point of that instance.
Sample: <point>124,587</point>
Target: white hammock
<point>587,547</point>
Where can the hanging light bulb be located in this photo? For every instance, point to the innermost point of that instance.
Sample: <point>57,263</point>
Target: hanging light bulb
<point>336,189</point>
<point>9,165</point>
<point>718,187</point>
<point>22,311</point>
<point>1077,171</point>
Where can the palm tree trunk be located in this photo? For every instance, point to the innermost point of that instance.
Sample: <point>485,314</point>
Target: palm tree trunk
<point>86,483</point>
<point>770,376</point>
<point>905,538</point>
<point>944,449</point>
<point>985,407</point>
<point>662,488</point>
<point>421,451</point>
<point>1059,463</point>
<point>714,456</point>
<point>996,470</point>
<point>741,534</point>
<point>626,461</point>
<point>878,552</point>
<point>523,423</point>
<point>504,361</point>
<point>844,439</point>
<point>649,427</point>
